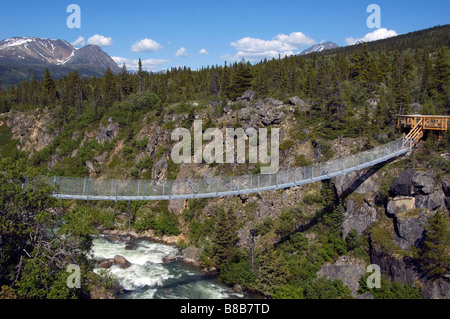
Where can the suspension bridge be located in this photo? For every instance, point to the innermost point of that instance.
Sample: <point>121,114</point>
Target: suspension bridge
<point>220,186</point>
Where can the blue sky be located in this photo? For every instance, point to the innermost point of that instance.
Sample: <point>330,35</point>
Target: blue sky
<point>167,33</point>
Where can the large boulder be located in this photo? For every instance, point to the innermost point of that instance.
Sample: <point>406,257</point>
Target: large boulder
<point>424,182</point>
<point>402,184</point>
<point>411,226</point>
<point>400,204</point>
<point>358,217</point>
<point>122,261</point>
<point>272,102</point>
<point>299,103</point>
<point>345,269</point>
<point>248,95</point>
<point>432,201</point>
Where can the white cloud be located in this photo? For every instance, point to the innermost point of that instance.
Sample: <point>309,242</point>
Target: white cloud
<point>253,49</point>
<point>296,39</point>
<point>181,52</point>
<point>100,40</point>
<point>203,51</point>
<point>146,45</point>
<point>79,42</point>
<point>378,34</point>
<point>152,65</point>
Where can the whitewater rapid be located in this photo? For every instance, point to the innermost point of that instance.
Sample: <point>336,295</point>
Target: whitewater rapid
<point>150,278</point>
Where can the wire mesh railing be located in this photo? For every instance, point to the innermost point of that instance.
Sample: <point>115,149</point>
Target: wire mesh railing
<point>119,189</point>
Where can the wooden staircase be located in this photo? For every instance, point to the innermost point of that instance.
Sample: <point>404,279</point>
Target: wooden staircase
<point>418,123</point>
<point>414,135</point>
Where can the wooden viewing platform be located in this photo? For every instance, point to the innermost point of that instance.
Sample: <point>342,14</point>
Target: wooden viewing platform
<point>417,123</point>
<point>429,122</point>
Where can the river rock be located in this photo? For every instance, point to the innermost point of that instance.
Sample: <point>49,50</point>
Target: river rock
<point>191,254</point>
<point>122,261</point>
<point>170,258</point>
<point>107,263</point>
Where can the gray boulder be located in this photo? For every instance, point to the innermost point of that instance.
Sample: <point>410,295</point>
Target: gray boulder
<point>432,201</point>
<point>272,102</point>
<point>411,226</point>
<point>298,102</point>
<point>400,204</point>
<point>359,218</point>
<point>90,166</point>
<point>248,95</point>
<point>424,182</point>
<point>402,184</point>
<point>345,269</point>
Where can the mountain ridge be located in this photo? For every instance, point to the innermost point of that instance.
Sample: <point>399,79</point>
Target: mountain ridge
<point>22,58</point>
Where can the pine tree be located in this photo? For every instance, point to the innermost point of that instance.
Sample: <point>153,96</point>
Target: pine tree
<point>48,96</point>
<point>225,237</point>
<point>242,80</point>
<point>108,88</point>
<point>434,256</point>
<point>441,75</point>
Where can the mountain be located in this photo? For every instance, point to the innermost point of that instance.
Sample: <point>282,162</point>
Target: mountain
<point>320,47</point>
<point>21,58</point>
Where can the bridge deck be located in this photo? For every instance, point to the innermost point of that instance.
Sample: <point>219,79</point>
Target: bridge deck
<point>110,189</point>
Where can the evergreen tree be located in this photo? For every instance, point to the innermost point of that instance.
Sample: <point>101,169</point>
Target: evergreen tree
<point>108,88</point>
<point>225,237</point>
<point>435,255</point>
<point>242,80</point>
<point>48,96</point>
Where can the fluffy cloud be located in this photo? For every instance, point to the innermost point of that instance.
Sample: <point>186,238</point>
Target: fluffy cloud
<point>203,51</point>
<point>378,34</point>
<point>100,40</point>
<point>146,45</point>
<point>151,65</point>
<point>253,49</point>
<point>181,52</point>
<point>79,42</point>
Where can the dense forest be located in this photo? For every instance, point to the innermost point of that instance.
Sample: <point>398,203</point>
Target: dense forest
<point>405,74</point>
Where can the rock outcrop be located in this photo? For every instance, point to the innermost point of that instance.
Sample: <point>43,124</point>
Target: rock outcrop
<point>358,217</point>
<point>345,269</point>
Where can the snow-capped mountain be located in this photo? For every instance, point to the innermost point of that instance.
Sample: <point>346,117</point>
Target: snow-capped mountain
<point>43,50</point>
<point>24,57</point>
<point>320,47</point>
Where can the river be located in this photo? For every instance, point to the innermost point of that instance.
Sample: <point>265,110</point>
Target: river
<point>149,278</point>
